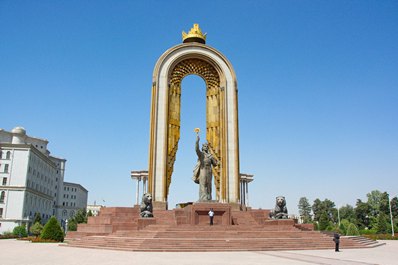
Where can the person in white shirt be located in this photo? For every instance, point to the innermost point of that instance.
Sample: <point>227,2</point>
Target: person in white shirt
<point>211,215</point>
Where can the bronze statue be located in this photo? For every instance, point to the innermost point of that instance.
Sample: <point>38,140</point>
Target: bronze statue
<point>280,211</point>
<point>146,206</point>
<point>202,173</point>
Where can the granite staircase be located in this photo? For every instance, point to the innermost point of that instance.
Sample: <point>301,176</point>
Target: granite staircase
<point>122,229</point>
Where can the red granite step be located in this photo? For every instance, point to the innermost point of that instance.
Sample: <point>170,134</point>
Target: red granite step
<point>121,228</point>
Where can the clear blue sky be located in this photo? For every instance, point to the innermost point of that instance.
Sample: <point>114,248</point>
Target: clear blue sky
<point>318,91</point>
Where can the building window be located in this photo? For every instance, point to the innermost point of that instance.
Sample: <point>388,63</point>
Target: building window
<point>6,168</point>
<point>2,196</point>
<point>4,181</point>
<point>1,212</point>
<point>8,155</point>
<point>1,154</point>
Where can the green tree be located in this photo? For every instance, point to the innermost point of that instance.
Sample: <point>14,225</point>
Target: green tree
<point>394,207</point>
<point>347,212</point>
<point>374,201</point>
<point>305,209</point>
<point>323,221</point>
<point>20,231</point>
<point>362,212</point>
<point>37,218</point>
<point>36,229</point>
<point>52,230</point>
<point>317,209</point>
<point>327,206</point>
<point>90,213</point>
<point>384,205</point>
<point>381,226</point>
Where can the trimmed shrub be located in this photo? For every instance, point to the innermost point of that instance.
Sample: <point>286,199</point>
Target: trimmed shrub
<point>352,230</point>
<point>7,235</point>
<point>53,231</point>
<point>20,231</point>
<point>36,229</point>
<point>72,225</point>
<point>381,237</point>
<point>367,231</point>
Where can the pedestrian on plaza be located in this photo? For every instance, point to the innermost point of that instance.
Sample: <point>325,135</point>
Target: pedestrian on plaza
<point>336,239</point>
<point>211,215</point>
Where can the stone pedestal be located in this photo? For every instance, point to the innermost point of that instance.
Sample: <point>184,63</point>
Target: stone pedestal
<point>143,222</point>
<point>200,213</point>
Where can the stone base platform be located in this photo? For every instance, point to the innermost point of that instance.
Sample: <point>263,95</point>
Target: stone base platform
<point>188,229</point>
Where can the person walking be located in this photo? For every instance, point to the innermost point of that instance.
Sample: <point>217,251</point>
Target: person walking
<point>336,239</point>
<point>211,215</point>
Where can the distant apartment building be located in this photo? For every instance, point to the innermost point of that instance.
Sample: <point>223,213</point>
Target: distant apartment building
<point>74,198</point>
<point>32,181</point>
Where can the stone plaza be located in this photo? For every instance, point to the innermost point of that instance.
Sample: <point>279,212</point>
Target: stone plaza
<point>16,252</point>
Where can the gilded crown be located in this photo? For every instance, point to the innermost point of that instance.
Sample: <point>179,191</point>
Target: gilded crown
<point>194,35</point>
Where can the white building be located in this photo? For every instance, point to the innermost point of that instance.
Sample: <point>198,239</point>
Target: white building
<point>95,209</point>
<point>32,181</point>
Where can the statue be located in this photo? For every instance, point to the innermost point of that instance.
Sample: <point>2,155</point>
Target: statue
<point>202,173</point>
<point>280,211</point>
<point>146,206</point>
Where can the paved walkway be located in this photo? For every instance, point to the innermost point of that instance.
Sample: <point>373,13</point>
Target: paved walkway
<point>14,252</point>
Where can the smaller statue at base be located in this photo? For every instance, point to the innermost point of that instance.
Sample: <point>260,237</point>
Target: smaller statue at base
<point>280,211</point>
<point>146,206</point>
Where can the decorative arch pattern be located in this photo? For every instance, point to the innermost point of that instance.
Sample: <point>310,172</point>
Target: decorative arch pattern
<point>212,79</point>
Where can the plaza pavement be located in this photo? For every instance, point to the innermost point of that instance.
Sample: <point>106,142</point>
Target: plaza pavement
<point>14,252</point>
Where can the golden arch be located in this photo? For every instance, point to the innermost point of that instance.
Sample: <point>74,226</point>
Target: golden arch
<point>213,126</point>
<point>221,118</point>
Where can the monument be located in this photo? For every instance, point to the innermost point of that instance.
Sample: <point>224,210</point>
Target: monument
<point>151,226</point>
<point>193,56</point>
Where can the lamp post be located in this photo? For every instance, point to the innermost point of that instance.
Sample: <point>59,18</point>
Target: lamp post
<point>392,223</point>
